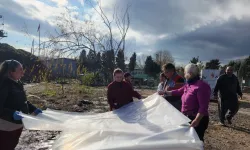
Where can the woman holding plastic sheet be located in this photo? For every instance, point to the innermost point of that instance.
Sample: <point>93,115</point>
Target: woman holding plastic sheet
<point>12,101</point>
<point>195,99</point>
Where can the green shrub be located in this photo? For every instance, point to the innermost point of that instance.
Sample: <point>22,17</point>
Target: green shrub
<point>87,78</point>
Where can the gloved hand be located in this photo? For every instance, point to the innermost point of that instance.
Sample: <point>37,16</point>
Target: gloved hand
<point>38,111</point>
<point>17,116</point>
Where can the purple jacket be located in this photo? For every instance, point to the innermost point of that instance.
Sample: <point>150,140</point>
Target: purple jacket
<point>195,98</point>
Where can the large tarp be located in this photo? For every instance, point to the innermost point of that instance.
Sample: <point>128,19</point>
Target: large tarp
<point>151,124</point>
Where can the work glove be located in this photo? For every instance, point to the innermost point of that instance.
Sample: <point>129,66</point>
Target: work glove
<point>17,116</point>
<point>38,111</point>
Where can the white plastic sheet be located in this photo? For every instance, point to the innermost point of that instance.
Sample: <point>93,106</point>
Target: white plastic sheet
<point>151,124</point>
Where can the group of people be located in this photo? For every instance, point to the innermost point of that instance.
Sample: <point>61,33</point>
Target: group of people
<point>191,96</point>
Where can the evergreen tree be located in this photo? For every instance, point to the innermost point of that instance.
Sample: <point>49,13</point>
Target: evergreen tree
<point>120,60</point>
<point>195,60</point>
<point>213,64</point>
<point>91,61</point>
<point>235,64</point>
<point>151,68</point>
<point>108,64</point>
<point>82,60</point>
<point>245,68</point>
<point>132,62</point>
<point>98,61</point>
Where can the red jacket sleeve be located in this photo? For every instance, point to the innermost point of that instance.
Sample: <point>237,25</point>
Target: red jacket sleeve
<point>109,97</point>
<point>136,94</point>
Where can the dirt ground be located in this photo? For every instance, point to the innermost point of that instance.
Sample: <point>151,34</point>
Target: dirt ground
<point>45,95</point>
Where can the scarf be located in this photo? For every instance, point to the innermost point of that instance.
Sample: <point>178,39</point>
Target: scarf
<point>193,80</point>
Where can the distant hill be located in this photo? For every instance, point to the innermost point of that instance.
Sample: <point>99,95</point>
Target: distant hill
<point>34,69</point>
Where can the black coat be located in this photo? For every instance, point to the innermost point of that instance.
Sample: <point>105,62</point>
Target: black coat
<point>13,98</point>
<point>228,87</point>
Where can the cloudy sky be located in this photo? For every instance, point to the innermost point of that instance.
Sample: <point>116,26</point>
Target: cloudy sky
<point>209,29</point>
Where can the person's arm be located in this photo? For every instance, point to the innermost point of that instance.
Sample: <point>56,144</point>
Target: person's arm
<point>217,87</point>
<point>31,107</point>
<point>136,94</point>
<point>197,120</point>
<point>239,88</point>
<point>178,92</point>
<point>5,112</point>
<point>160,87</point>
<point>133,92</point>
<point>203,96</point>
<point>109,97</point>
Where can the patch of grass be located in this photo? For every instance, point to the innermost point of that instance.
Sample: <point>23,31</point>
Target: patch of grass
<point>85,89</point>
<point>49,92</point>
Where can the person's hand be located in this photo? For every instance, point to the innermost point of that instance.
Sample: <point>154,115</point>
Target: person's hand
<point>38,111</point>
<point>161,92</point>
<point>17,116</point>
<point>195,123</point>
<point>167,88</point>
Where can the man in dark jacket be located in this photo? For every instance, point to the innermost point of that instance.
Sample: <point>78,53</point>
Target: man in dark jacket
<point>174,81</point>
<point>228,86</point>
<point>119,92</point>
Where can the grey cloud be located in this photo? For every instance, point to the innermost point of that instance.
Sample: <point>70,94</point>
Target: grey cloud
<point>16,17</point>
<point>169,16</point>
<point>224,41</point>
<point>211,40</point>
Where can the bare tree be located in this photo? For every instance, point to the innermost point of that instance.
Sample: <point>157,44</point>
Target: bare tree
<point>75,34</point>
<point>163,56</point>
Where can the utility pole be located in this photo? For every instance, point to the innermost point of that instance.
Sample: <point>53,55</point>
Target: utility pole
<point>2,33</point>
<point>38,30</point>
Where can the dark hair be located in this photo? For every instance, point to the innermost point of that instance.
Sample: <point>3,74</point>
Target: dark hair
<point>163,75</point>
<point>169,66</point>
<point>6,67</point>
<point>118,70</point>
<point>127,74</point>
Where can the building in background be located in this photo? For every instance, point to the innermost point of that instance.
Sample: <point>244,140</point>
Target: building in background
<point>140,78</point>
<point>62,67</point>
